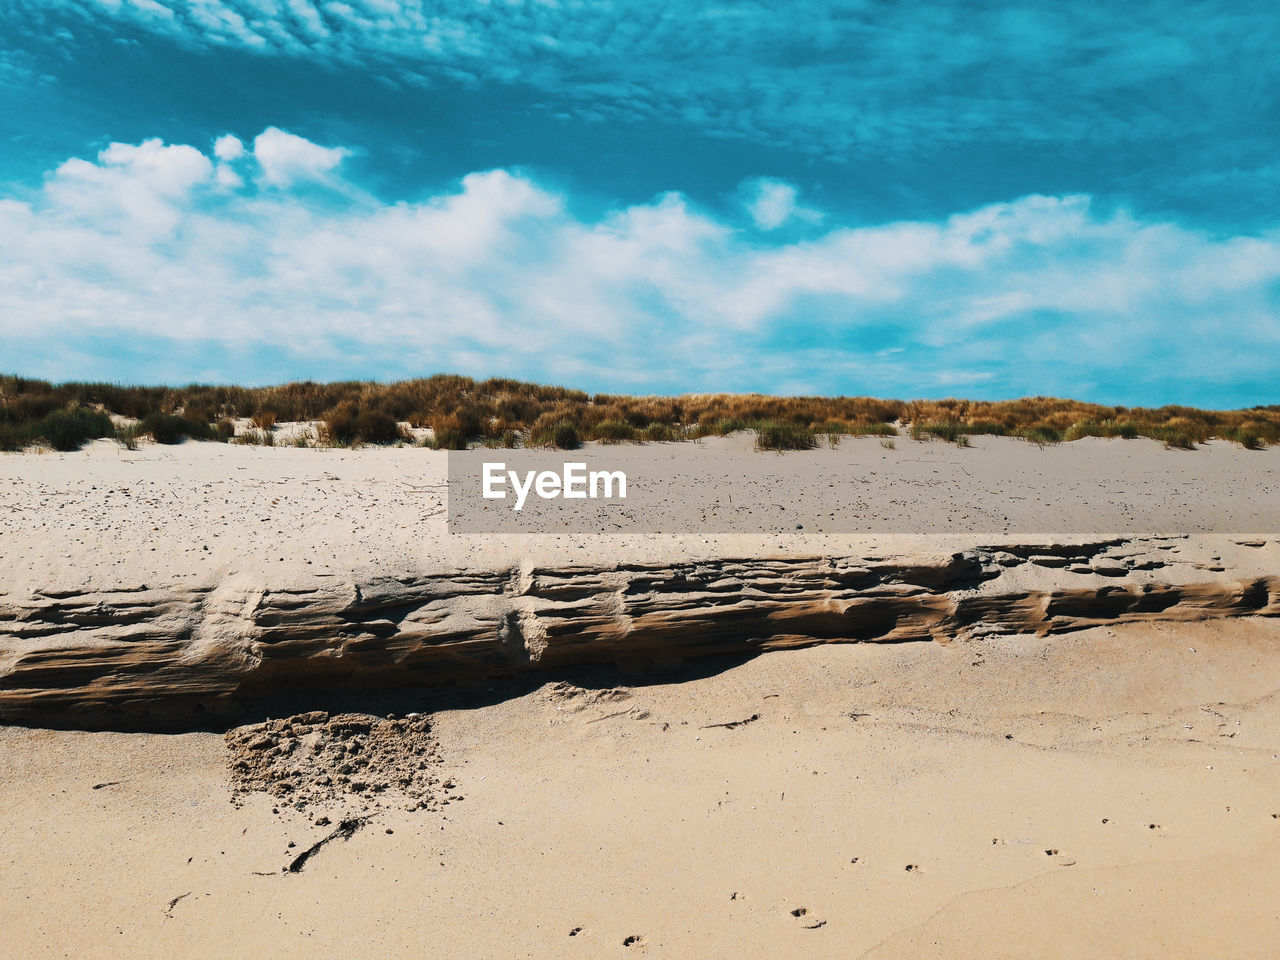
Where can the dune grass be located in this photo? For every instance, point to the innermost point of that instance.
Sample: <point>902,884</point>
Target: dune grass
<point>463,412</point>
<point>781,435</point>
<point>66,428</point>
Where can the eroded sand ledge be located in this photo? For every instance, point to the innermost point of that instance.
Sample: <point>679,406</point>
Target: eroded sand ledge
<point>171,588</point>
<point>174,657</point>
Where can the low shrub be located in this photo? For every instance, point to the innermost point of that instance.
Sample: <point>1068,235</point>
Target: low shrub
<point>455,430</point>
<point>347,424</point>
<point>450,432</point>
<point>128,435</point>
<point>377,426</point>
<point>1173,438</point>
<point>171,428</point>
<point>65,429</point>
<point>1102,428</point>
<point>505,440</point>
<point>551,430</point>
<point>661,433</point>
<point>710,425</point>
<point>779,435</point>
<point>939,431</point>
<point>1039,435</point>
<point>256,438</point>
<point>224,430</point>
<point>562,435</point>
<point>613,431</point>
<point>872,430</point>
<point>69,429</point>
<point>1254,434</point>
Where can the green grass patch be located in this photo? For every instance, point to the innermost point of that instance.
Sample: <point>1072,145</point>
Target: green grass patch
<point>613,431</point>
<point>1126,429</point>
<point>64,429</point>
<point>949,432</point>
<point>1040,436</point>
<point>560,434</point>
<point>348,424</point>
<point>781,435</point>
<point>661,433</point>
<point>172,428</point>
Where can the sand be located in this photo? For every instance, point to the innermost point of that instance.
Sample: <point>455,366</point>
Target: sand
<point>199,512</point>
<point>1110,791</point>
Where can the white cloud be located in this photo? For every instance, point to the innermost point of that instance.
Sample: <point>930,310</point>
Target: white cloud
<point>286,158</point>
<point>139,190</point>
<point>228,147</point>
<point>499,275</point>
<point>774,203</point>
<point>226,176</point>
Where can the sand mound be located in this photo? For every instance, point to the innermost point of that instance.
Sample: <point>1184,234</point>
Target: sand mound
<point>349,762</point>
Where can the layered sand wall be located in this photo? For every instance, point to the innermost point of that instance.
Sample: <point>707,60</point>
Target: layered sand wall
<point>168,588</point>
<point>175,656</point>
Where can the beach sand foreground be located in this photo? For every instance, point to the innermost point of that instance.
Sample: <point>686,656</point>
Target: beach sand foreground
<point>1108,793</point>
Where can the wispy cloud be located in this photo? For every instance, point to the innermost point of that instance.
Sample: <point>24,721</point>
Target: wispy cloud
<point>774,203</point>
<point>823,77</point>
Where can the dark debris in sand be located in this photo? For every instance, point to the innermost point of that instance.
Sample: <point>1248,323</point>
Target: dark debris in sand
<point>350,762</point>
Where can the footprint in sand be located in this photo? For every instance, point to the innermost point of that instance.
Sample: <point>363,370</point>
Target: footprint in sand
<point>807,921</point>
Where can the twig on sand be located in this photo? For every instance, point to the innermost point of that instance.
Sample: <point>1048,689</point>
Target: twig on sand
<point>616,713</point>
<point>422,486</point>
<point>174,902</point>
<point>344,831</point>
<point>732,723</point>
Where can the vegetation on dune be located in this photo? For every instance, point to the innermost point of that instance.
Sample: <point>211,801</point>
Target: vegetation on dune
<point>781,435</point>
<point>174,428</point>
<point>462,412</point>
<point>62,428</point>
<point>352,422</point>
<point>552,431</point>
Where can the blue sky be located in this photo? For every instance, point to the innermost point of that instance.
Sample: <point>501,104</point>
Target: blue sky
<point>899,199</point>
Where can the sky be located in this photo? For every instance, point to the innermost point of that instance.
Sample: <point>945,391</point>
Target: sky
<point>647,196</point>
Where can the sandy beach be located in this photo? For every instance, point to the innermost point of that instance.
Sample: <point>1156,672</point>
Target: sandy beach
<point>1110,792</point>
<point>688,481</point>
<point>1069,746</point>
